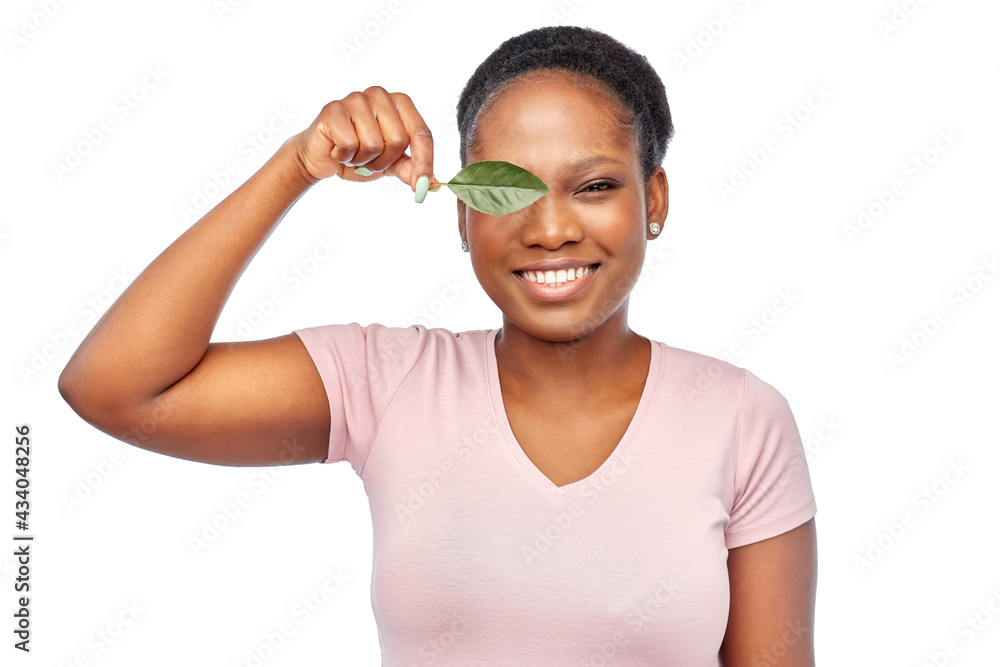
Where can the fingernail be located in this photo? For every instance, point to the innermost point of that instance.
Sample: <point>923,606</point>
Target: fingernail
<point>362,171</point>
<point>422,184</point>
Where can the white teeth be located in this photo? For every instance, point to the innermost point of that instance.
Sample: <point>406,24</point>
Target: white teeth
<point>557,278</point>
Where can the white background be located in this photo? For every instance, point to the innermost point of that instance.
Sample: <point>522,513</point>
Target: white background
<point>118,539</point>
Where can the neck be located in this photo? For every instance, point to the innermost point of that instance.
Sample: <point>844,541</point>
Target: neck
<point>594,367</point>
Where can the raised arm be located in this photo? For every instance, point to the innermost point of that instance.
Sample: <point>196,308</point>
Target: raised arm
<point>147,374</point>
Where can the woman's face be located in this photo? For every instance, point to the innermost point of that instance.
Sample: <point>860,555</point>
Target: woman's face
<point>595,212</point>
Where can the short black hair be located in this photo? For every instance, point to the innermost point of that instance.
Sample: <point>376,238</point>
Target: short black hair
<point>619,70</point>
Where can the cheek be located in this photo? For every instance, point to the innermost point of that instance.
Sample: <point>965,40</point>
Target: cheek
<point>479,237</point>
<point>487,248</point>
<point>623,217</point>
<point>490,235</point>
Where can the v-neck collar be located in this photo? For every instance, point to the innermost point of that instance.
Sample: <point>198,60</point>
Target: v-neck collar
<point>609,465</point>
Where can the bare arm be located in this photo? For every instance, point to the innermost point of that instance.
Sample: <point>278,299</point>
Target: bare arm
<point>772,601</point>
<point>147,373</point>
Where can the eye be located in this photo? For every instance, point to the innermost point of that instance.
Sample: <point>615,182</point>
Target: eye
<point>600,186</point>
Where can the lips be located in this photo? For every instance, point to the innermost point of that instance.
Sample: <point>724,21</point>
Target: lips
<point>559,290</point>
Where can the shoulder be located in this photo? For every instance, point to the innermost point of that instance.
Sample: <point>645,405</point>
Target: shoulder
<point>381,347</point>
<point>381,333</point>
<point>700,378</point>
<point>717,390</point>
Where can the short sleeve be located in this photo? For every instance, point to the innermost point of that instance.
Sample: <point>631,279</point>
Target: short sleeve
<point>361,368</point>
<point>773,491</point>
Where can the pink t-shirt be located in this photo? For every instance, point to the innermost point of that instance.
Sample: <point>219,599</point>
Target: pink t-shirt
<point>479,559</point>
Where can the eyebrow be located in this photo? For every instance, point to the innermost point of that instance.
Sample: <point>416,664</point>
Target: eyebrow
<point>589,162</point>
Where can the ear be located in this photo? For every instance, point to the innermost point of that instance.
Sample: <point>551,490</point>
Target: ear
<point>657,199</point>
<point>461,219</point>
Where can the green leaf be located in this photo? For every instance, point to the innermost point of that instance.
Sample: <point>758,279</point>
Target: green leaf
<point>497,187</point>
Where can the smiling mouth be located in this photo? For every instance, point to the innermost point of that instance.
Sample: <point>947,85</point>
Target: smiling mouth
<point>557,278</point>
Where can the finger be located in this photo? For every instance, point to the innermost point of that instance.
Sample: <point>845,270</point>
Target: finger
<point>403,169</point>
<point>393,132</point>
<point>336,126</point>
<point>421,140</point>
<point>366,129</point>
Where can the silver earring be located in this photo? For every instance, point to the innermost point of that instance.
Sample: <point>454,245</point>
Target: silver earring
<point>654,227</point>
<point>465,246</point>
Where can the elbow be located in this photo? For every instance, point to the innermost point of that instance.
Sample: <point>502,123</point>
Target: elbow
<point>98,401</point>
<point>70,388</point>
<point>83,394</point>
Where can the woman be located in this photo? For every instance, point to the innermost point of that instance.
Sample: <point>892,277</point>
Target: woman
<point>558,491</point>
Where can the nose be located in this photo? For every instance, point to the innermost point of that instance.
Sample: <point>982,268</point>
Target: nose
<point>549,222</point>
